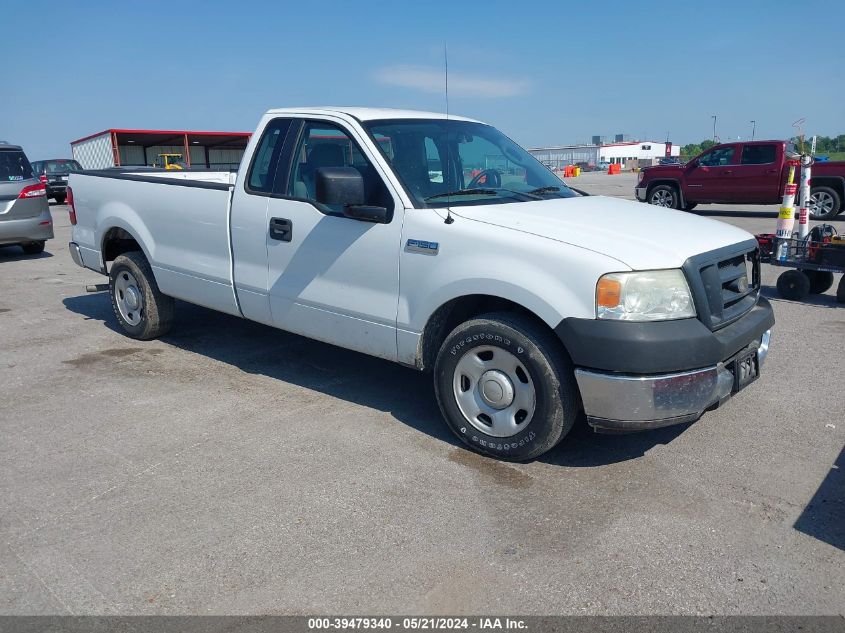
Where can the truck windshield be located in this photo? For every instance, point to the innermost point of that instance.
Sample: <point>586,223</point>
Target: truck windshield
<point>452,163</point>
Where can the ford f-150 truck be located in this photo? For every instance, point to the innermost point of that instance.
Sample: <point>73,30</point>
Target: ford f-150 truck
<point>746,173</point>
<point>439,243</point>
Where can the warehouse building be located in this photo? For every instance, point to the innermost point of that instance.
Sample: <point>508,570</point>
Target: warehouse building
<point>135,148</point>
<point>629,154</point>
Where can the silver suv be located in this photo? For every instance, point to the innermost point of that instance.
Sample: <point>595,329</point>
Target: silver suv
<point>24,213</point>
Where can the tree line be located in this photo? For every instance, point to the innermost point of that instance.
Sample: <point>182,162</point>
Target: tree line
<point>824,145</point>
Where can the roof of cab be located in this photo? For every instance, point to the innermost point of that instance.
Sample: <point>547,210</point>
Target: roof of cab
<point>369,114</point>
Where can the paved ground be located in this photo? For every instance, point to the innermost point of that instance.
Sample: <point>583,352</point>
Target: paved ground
<point>232,468</point>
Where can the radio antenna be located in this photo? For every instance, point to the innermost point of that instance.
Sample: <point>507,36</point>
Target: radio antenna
<point>449,219</point>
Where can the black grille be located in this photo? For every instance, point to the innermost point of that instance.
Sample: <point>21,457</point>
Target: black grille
<point>725,283</point>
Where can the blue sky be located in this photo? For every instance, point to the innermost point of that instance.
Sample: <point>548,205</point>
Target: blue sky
<point>543,72</point>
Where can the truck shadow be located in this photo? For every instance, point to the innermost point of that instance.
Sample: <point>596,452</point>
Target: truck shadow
<point>408,395</point>
<point>824,516</point>
<point>15,254</point>
<point>728,213</point>
<point>821,301</point>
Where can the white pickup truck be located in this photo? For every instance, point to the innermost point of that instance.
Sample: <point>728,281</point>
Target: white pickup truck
<point>437,242</point>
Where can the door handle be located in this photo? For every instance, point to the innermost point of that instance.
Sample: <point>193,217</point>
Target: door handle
<point>727,172</point>
<point>281,229</point>
<point>771,171</point>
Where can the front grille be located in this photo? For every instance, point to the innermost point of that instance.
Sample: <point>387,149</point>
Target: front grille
<point>725,283</point>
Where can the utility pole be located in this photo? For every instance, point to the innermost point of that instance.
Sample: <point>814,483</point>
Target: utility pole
<point>714,128</point>
<point>753,129</point>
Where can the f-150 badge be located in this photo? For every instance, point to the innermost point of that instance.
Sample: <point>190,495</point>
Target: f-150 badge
<point>421,246</point>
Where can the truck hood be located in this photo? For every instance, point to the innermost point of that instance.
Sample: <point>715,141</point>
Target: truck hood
<point>641,236</point>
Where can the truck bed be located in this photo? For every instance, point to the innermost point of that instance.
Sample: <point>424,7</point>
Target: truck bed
<point>184,221</point>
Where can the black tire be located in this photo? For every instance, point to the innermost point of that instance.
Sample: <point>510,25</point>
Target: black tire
<point>60,199</point>
<point>154,315</point>
<point>831,199</point>
<point>840,290</point>
<point>664,196</point>
<point>549,371</point>
<point>820,281</point>
<point>794,285</point>
<point>33,248</point>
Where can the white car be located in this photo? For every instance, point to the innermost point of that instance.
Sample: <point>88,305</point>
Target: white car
<point>386,232</point>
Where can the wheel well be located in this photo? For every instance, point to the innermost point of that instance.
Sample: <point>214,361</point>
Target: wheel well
<point>672,183</point>
<point>834,183</point>
<point>452,313</point>
<point>116,242</point>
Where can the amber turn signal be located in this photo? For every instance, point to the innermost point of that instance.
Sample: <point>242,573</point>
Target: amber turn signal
<point>608,293</point>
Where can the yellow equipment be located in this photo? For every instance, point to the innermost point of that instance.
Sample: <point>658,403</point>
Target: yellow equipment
<point>170,161</point>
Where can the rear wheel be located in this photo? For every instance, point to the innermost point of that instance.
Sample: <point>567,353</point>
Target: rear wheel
<point>505,386</point>
<point>794,285</point>
<point>820,281</point>
<point>140,307</point>
<point>840,290</point>
<point>33,248</point>
<point>664,196</point>
<point>60,199</point>
<point>825,203</point>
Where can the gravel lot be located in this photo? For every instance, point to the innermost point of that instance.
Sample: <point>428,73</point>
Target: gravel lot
<point>233,468</point>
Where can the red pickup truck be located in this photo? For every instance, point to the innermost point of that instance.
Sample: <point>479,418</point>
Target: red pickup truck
<point>746,173</point>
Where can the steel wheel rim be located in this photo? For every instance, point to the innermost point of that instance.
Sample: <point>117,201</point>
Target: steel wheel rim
<point>494,391</point>
<point>662,198</point>
<point>128,297</point>
<point>821,203</point>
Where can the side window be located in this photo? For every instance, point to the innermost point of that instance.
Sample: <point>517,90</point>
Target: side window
<point>718,157</point>
<point>262,171</point>
<point>323,144</point>
<point>432,157</point>
<point>758,154</point>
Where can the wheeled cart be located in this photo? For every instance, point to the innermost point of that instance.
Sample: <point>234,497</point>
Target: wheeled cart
<point>813,262</point>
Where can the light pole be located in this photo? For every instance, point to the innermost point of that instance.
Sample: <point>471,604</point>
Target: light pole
<point>714,128</point>
<point>753,129</point>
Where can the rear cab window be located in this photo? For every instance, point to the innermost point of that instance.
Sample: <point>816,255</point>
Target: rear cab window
<point>14,166</point>
<point>759,154</point>
<point>62,166</point>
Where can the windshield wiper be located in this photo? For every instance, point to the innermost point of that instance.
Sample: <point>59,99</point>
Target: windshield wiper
<point>464,192</point>
<point>538,190</point>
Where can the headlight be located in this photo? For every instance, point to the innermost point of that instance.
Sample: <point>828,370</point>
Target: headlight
<point>652,295</point>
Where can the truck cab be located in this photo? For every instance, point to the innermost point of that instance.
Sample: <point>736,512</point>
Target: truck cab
<point>751,172</point>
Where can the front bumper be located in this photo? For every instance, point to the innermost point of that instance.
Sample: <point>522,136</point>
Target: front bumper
<point>640,193</point>
<point>25,230</point>
<point>619,402</point>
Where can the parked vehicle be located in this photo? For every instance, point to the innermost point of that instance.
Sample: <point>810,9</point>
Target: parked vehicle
<point>24,213</point>
<point>54,174</point>
<point>746,173</point>
<point>170,162</point>
<point>527,301</point>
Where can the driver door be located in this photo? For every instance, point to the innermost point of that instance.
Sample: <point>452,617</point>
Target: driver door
<point>713,177</point>
<point>330,277</point>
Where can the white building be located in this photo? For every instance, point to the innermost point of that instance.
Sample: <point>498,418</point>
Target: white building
<point>628,153</point>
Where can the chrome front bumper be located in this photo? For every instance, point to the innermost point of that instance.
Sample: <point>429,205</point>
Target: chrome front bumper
<point>614,402</point>
<point>640,192</point>
<point>75,255</point>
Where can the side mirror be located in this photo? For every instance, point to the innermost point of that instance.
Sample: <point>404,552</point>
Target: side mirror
<point>344,186</point>
<point>339,186</point>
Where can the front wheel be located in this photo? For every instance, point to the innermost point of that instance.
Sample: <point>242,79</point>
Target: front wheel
<point>140,307</point>
<point>664,196</point>
<point>825,203</point>
<point>505,386</point>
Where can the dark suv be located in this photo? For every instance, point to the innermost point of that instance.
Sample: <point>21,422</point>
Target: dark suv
<point>24,214</point>
<point>54,174</point>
